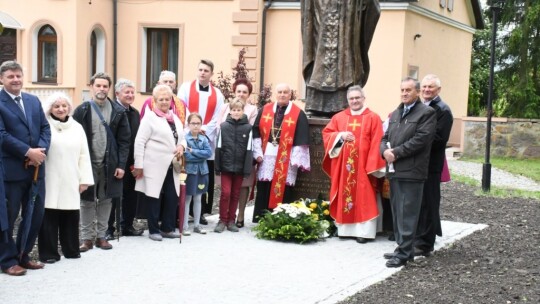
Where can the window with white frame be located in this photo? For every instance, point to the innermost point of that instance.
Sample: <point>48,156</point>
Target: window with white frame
<point>161,48</point>
<point>47,51</point>
<point>96,52</point>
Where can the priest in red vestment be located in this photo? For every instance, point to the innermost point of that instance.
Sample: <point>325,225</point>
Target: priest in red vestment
<point>352,160</point>
<point>177,106</point>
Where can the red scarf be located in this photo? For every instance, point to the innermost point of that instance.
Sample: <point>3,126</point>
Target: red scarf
<point>193,103</point>
<point>283,159</point>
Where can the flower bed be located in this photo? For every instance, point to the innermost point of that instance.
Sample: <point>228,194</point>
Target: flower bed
<point>305,220</point>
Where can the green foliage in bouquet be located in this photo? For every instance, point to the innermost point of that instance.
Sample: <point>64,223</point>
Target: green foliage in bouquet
<point>320,211</point>
<point>293,222</point>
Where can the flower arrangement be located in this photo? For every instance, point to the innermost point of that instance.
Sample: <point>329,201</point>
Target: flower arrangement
<point>320,211</point>
<point>302,221</point>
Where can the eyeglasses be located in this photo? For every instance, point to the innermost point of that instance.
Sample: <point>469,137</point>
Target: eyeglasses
<point>194,123</point>
<point>356,97</point>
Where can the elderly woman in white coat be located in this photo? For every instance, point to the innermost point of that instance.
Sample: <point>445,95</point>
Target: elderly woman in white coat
<point>67,174</point>
<point>160,139</point>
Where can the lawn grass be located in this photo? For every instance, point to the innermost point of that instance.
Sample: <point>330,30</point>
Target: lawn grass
<point>526,167</point>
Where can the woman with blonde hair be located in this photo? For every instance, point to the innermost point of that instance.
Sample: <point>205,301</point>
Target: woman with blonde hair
<point>160,139</point>
<point>67,174</point>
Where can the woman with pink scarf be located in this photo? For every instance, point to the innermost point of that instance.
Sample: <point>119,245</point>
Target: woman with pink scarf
<point>159,140</point>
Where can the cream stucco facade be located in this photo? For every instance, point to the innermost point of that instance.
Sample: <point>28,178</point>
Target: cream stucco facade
<point>218,29</point>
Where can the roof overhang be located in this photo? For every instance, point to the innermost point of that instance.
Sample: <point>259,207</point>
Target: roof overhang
<point>478,15</point>
<point>412,7</point>
<point>9,22</point>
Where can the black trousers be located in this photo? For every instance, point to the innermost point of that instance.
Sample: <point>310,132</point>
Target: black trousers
<point>429,222</point>
<point>207,199</point>
<point>59,223</point>
<point>406,199</point>
<point>263,196</point>
<point>129,203</point>
<point>387,221</point>
<point>163,208</point>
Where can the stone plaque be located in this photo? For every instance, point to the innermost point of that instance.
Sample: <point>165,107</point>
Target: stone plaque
<point>311,184</point>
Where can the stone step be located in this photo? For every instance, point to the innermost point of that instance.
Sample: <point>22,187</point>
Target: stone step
<point>453,153</point>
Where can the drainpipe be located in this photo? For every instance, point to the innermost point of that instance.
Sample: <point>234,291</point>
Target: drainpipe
<point>267,5</point>
<point>115,38</point>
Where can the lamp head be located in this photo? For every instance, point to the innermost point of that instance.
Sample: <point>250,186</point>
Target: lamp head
<point>497,4</point>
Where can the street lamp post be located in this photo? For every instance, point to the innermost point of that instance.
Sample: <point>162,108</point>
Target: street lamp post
<point>496,8</point>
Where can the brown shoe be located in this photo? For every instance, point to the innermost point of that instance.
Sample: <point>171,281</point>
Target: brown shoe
<point>14,270</point>
<point>103,244</point>
<point>32,265</point>
<point>86,245</point>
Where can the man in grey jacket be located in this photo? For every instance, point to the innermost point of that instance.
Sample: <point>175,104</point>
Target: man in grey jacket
<point>406,147</point>
<point>109,135</point>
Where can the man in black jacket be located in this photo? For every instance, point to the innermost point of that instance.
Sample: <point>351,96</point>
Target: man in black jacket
<point>125,96</point>
<point>108,143</point>
<point>406,146</point>
<point>429,223</point>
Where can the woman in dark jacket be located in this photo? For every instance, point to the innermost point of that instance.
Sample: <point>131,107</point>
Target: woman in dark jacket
<point>233,161</point>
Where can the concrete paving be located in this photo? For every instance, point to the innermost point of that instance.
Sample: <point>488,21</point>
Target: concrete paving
<point>223,268</point>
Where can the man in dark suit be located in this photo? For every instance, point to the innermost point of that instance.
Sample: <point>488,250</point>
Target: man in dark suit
<point>429,223</point>
<point>125,96</point>
<point>406,146</point>
<point>26,138</point>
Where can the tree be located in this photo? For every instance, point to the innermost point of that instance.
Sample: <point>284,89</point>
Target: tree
<point>520,58</point>
<point>479,76</point>
<point>517,79</point>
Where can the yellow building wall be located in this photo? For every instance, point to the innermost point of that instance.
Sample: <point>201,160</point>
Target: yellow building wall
<point>442,49</point>
<point>53,13</point>
<point>89,16</point>
<point>461,12</point>
<point>448,58</point>
<point>284,49</point>
<point>217,29</point>
<point>205,33</point>
<point>386,60</point>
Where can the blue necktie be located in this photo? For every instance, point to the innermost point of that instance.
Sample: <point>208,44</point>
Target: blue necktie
<point>18,102</point>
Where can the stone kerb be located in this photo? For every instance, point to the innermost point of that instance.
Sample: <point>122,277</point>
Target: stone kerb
<point>510,137</point>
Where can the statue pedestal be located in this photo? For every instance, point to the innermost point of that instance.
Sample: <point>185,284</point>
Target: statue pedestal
<point>311,184</point>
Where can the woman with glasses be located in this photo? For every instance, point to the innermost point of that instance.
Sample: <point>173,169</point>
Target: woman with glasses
<point>159,140</point>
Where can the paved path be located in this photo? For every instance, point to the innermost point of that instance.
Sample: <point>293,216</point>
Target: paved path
<point>499,178</point>
<point>223,268</point>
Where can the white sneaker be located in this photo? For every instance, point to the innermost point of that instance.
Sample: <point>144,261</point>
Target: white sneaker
<point>155,237</point>
<point>170,235</point>
<point>199,230</point>
<point>186,232</point>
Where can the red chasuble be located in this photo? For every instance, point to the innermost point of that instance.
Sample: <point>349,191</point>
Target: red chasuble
<point>286,138</point>
<point>352,194</point>
<point>194,99</point>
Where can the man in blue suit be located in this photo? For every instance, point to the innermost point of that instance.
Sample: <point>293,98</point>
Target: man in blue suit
<point>26,137</point>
